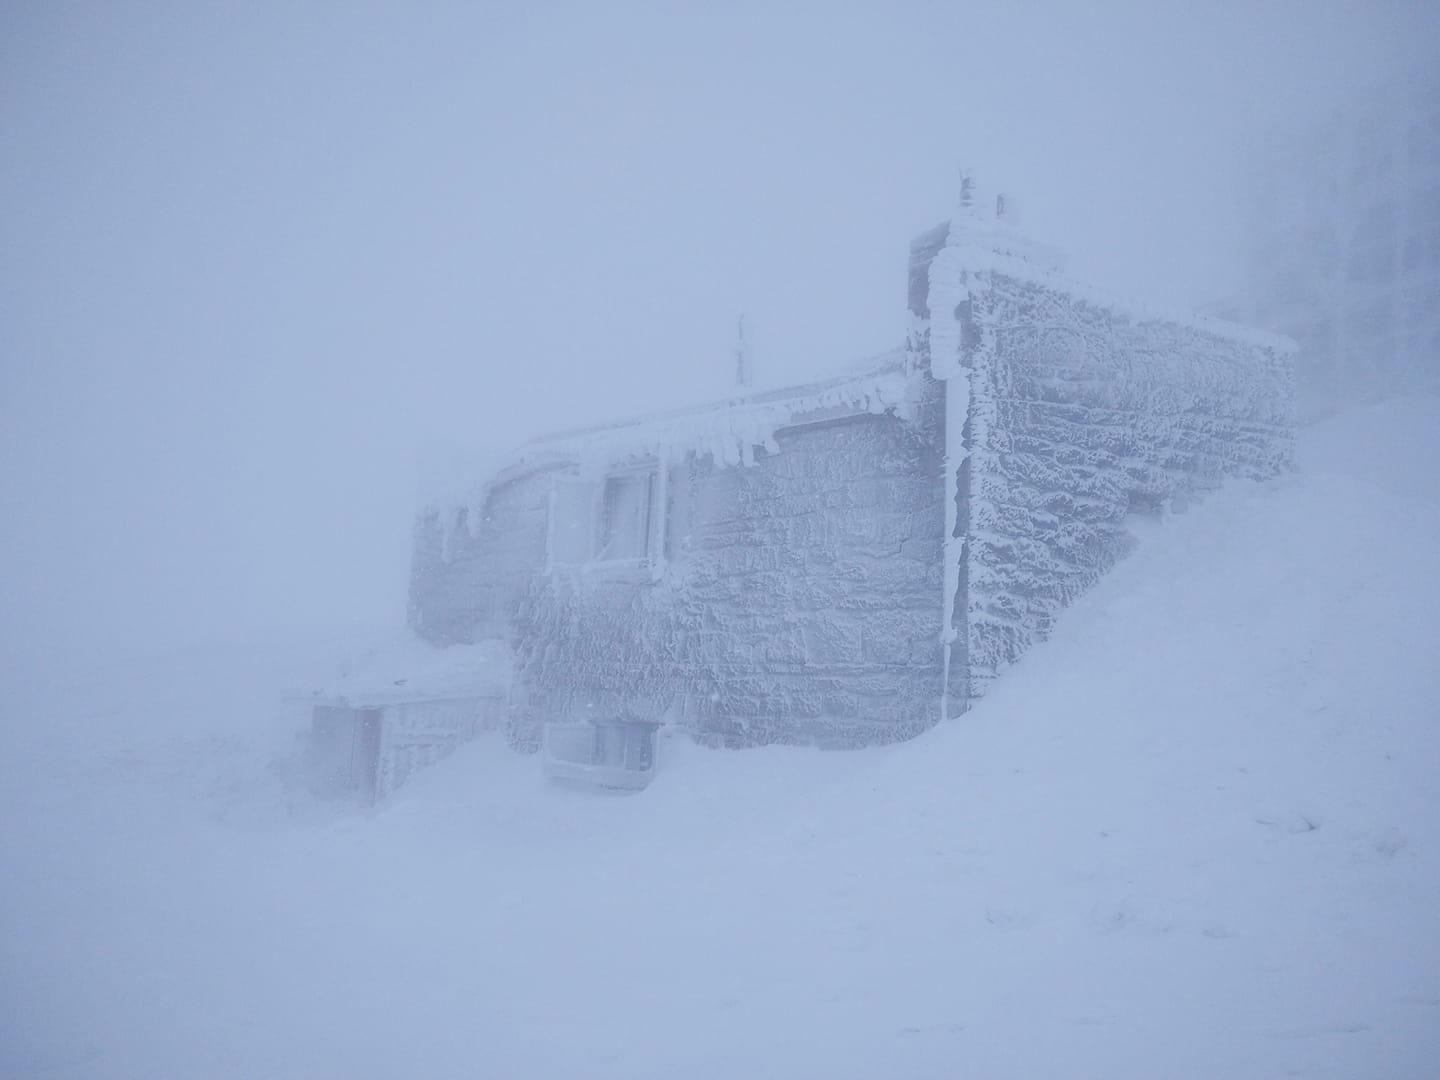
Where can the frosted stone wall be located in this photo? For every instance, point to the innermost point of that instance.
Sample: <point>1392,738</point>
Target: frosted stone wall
<point>799,599</point>
<point>799,603</point>
<point>470,567</point>
<point>1081,415</point>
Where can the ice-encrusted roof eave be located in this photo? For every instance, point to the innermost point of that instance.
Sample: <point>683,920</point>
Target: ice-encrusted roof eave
<point>962,253</point>
<point>410,670</point>
<point>729,430</point>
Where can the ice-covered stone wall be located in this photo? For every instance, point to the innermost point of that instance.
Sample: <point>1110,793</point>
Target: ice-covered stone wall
<point>1084,416</point>
<point>799,600</point>
<point>471,565</point>
<point>796,597</point>
<point>1079,413</point>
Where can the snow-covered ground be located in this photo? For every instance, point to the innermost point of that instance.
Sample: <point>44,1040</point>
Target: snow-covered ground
<point>1197,834</point>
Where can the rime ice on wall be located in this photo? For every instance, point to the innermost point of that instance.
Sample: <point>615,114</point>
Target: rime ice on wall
<point>1078,413</point>
<point>471,564</point>
<point>798,604</point>
<point>1083,416</point>
<point>792,594</point>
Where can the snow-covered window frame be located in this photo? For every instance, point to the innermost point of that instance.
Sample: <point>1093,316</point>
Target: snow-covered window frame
<point>613,523</point>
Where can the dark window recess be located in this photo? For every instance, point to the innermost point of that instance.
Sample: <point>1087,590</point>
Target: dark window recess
<point>625,517</point>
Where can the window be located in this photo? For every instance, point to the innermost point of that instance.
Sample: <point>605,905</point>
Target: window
<point>625,517</point>
<point>616,522</point>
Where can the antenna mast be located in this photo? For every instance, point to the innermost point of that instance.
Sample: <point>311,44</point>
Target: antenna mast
<point>743,373</point>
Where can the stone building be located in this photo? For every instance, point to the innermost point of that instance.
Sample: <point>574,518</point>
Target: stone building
<point>847,562</point>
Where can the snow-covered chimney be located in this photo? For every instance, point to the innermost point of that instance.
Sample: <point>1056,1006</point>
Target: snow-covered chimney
<point>967,191</point>
<point>991,223</point>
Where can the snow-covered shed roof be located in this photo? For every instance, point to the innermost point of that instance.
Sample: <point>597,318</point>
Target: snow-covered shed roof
<point>408,669</point>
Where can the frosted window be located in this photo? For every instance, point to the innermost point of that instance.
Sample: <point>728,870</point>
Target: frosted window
<point>625,518</point>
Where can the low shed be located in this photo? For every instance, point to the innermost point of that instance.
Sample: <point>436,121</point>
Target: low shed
<point>398,710</point>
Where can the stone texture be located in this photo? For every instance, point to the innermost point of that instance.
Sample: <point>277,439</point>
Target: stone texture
<point>799,600</point>
<point>1081,417</point>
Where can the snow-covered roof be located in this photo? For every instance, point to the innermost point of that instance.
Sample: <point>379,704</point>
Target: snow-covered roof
<point>730,429</point>
<point>965,256</point>
<point>408,669</point>
<point>983,239</point>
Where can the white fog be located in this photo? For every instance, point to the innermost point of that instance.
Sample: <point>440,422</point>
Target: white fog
<point>822,540</point>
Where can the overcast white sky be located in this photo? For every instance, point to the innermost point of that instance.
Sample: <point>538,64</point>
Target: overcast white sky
<point>256,259</point>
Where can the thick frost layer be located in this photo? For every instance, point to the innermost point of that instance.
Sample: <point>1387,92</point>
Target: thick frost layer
<point>1076,411</point>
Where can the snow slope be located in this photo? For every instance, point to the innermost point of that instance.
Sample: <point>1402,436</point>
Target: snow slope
<point>1196,834</point>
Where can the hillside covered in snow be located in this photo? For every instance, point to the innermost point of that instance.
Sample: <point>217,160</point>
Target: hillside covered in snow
<point>1194,834</point>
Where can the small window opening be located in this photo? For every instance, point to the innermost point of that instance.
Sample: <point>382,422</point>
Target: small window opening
<point>625,516</point>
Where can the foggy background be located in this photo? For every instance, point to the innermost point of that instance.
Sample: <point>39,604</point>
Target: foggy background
<point>257,262</point>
